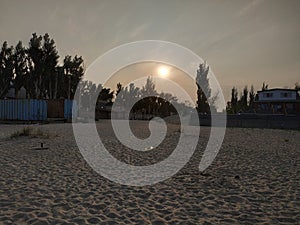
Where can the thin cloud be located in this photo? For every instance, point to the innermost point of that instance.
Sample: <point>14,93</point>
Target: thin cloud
<point>249,7</point>
<point>139,30</point>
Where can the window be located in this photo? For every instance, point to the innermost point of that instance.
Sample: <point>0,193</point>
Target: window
<point>268,95</point>
<point>285,94</point>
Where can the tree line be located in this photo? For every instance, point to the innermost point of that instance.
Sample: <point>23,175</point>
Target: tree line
<point>36,68</point>
<point>151,102</point>
<point>145,100</point>
<point>244,102</point>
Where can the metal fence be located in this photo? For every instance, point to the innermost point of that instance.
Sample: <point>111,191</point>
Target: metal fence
<point>70,109</point>
<point>254,121</point>
<point>23,109</point>
<point>36,110</point>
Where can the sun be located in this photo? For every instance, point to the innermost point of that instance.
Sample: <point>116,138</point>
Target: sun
<point>163,71</point>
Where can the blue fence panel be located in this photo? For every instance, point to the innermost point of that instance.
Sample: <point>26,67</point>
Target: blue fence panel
<point>23,109</point>
<point>70,109</point>
<point>2,109</point>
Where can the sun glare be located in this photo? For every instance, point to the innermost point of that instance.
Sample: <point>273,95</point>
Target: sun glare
<point>163,71</point>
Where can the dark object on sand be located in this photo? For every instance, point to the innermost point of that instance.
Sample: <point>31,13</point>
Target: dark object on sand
<point>42,147</point>
<point>237,177</point>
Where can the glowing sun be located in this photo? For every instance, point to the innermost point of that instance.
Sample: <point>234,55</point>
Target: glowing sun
<point>163,71</point>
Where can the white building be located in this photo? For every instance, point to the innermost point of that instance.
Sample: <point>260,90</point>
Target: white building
<point>277,94</point>
<point>278,101</point>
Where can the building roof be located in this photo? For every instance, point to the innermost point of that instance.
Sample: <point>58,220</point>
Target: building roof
<point>278,89</point>
<point>278,101</point>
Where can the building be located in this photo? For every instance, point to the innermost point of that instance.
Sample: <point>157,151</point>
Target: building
<point>11,93</point>
<point>277,101</point>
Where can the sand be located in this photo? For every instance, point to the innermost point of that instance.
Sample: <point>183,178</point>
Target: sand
<point>255,179</point>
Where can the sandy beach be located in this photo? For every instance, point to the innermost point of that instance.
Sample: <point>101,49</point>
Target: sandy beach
<point>254,179</point>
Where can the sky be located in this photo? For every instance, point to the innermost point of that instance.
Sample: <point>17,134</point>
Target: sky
<point>244,41</point>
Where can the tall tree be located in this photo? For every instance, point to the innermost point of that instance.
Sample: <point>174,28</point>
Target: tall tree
<point>149,88</point>
<point>36,66</point>
<point>119,88</point>
<point>59,85</point>
<point>165,104</point>
<point>251,96</point>
<point>20,67</point>
<point>244,98</point>
<point>127,96</point>
<point>6,68</point>
<point>106,95</point>
<point>234,100</point>
<point>203,91</point>
<point>50,66</point>
<point>73,71</point>
<point>88,93</point>
<point>148,93</point>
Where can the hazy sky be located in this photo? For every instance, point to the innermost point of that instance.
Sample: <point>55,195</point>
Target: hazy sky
<point>244,42</point>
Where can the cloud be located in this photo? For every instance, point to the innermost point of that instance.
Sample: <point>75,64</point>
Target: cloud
<point>249,7</point>
<point>138,30</point>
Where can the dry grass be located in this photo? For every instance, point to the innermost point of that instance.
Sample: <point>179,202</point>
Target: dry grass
<point>33,133</point>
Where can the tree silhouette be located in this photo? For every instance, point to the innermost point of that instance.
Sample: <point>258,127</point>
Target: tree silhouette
<point>73,72</point>
<point>166,102</point>
<point>36,69</point>
<point>146,101</point>
<point>127,96</point>
<point>6,68</point>
<point>148,94</point>
<point>203,91</point>
<point>233,108</point>
<point>149,88</point>
<point>244,99</point>
<point>251,96</point>
<point>264,86</point>
<point>119,88</point>
<point>241,104</point>
<point>50,63</point>
<point>106,95</point>
<point>21,68</point>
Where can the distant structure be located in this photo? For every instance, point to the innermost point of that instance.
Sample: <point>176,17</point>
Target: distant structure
<point>277,101</point>
<point>11,94</point>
